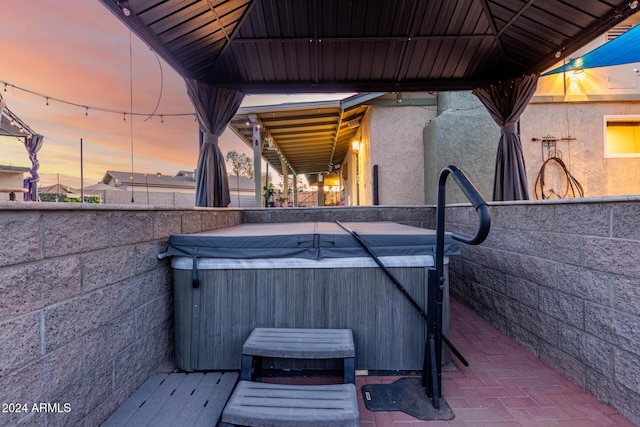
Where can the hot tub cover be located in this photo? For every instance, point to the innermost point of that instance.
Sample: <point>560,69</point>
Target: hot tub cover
<point>310,240</point>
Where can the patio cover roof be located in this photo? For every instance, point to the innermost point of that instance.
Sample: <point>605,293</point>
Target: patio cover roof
<point>281,46</point>
<point>227,48</point>
<point>310,137</point>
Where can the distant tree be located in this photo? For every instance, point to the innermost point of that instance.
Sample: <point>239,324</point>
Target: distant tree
<point>242,164</point>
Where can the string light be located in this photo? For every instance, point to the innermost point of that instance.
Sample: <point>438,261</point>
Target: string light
<point>93,107</point>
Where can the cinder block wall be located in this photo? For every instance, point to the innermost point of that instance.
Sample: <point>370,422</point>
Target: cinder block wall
<point>562,279</point>
<point>85,305</point>
<point>86,309</point>
<point>417,216</point>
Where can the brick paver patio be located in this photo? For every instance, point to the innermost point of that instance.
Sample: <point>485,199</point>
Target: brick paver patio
<point>505,385</point>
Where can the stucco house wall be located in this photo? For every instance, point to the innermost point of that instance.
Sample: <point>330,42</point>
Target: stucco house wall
<point>584,155</point>
<point>354,169</point>
<point>573,105</point>
<point>390,137</point>
<point>464,135</point>
<point>11,178</point>
<point>396,147</point>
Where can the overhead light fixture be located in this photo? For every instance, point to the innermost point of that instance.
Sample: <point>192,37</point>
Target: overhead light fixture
<point>353,123</point>
<point>125,10</point>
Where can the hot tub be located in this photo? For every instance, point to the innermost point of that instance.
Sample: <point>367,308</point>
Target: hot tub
<point>302,275</point>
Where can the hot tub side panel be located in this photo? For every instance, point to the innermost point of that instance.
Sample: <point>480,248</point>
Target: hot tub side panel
<point>213,321</point>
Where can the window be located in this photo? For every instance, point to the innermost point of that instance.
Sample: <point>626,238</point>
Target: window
<point>622,136</point>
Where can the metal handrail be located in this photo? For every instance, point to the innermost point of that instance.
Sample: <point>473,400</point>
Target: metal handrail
<point>432,370</point>
<point>479,204</point>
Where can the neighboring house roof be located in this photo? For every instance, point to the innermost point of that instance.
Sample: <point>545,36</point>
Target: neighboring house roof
<point>241,183</point>
<point>189,174</point>
<point>13,169</point>
<point>60,189</point>
<point>117,178</point>
<point>101,186</point>
<point>182,180</point>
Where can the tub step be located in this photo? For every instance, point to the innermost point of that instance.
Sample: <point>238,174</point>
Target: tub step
<point>261,404</point>
<point>296,343</point>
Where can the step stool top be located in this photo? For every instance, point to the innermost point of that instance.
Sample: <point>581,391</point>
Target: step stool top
<point>300,343</point>
<point>284,405</point>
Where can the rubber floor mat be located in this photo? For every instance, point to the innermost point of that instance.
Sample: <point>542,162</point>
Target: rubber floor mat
<point>406,395</point>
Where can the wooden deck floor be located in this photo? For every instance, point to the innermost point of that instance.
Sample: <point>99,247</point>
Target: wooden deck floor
<point>177,399</point>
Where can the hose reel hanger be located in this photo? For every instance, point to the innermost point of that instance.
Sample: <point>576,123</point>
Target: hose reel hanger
<point>554,181</point>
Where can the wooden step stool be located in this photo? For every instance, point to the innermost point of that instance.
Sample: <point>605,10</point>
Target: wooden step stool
<point>299,344</point>
<point>261,405</point>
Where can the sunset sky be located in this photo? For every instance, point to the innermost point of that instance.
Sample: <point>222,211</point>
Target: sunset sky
<point>77,51</point>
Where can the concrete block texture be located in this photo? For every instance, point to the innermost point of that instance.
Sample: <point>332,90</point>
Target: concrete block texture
<point>131,227</point>
<point>85,304</point>
<point>67,234</point>
<point>20,338</point>
<point>563,279</point>
<point>21,239</point>
<point>28,287</point>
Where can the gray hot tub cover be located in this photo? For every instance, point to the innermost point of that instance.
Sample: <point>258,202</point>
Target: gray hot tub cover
<point>310,240</point>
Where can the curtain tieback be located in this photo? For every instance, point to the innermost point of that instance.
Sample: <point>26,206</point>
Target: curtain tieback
<point>210,138</point>
<point>510,128</point>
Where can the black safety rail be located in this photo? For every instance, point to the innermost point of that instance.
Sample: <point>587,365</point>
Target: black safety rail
<point>432,369</point>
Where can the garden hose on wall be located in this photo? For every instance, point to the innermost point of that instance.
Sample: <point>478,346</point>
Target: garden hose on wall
<point>572,182</point>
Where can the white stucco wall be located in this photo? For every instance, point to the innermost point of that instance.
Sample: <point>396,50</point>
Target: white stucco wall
<point>355,190</point>
<point>584,156</point>
<point>10,180</point>
<point>396,146</point>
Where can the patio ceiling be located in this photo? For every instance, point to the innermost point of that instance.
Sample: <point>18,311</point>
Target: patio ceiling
<point>311,137</point>
<point>281,46</point>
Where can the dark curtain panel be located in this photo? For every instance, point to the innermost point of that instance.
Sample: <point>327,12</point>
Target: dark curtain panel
<point>215,107</point>
<point>506,101</point>
<point>32,143</point>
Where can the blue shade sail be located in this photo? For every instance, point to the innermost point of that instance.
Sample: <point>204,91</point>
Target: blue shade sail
<point>624,49</point>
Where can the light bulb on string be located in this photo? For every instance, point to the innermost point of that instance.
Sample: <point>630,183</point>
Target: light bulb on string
<point>161,119</point>
<point>48,98</point>
<point>86,111</point>
<point>124,117</point>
